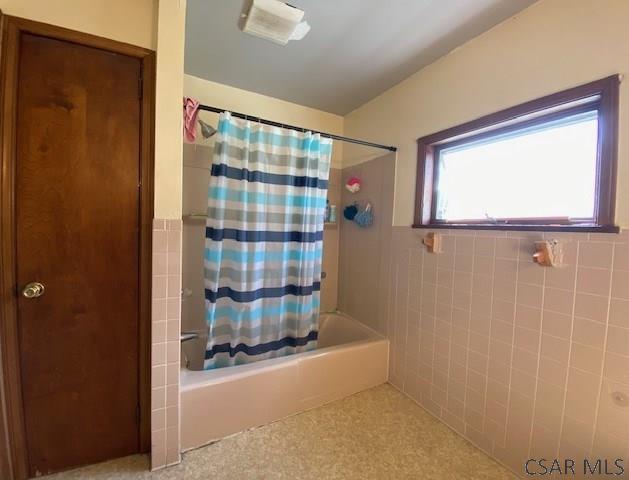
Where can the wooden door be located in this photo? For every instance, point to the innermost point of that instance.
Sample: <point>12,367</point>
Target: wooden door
<point>77,232</point>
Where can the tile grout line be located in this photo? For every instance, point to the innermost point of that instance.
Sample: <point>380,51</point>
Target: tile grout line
<point>406,314</point>
<point>539,360</point>
<point>450,335</point>
<point>395,307</point>
<point>467,355</point>
<point>574,301</point>
<point>600,384</point>
<point>420,294</point>
<point>491,321</point>
<point>469,339</point>
<point>421,314</point>
<point>390,327</point>
<point>434,338</point>
<point>515,309</point>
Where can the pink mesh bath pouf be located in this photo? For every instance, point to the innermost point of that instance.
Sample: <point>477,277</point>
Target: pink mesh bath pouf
<point>353,184</point>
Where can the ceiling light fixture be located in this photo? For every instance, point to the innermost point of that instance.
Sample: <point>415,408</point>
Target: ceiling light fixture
<point>276,21</point>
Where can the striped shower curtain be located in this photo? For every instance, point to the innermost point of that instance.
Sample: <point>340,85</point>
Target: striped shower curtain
<point>264,241</point>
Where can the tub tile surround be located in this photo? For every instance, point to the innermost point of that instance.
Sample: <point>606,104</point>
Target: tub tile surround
<point>521,360</point>
<point>364,260</point>
<point>166,319</point>
<point>331,235</point>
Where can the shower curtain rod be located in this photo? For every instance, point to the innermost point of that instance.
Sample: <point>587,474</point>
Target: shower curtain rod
<point>292,127</point>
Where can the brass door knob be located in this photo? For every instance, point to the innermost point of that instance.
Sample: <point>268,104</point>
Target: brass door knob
<point>33,290</point>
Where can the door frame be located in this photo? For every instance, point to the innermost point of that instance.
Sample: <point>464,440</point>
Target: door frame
<point>13,451</point>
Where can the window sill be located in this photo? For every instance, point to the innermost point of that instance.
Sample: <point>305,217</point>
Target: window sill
<point>585,228</point>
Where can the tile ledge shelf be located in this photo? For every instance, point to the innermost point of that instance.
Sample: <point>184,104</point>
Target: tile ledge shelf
<point>521,227</point>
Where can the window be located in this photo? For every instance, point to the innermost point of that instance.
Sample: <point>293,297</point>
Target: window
<point>548,164</point>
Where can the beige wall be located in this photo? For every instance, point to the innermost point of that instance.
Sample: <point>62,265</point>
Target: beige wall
<point>123,20</point>
<point>168,108</point>
<point>552,45</point>
<point>235,99</point>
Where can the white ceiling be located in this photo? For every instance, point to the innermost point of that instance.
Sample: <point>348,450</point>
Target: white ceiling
<point>356,49</point>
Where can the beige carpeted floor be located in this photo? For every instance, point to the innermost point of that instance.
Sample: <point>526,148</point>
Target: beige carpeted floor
<point>376,434</point>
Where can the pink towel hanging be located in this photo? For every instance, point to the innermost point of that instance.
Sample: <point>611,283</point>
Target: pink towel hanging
<point>190,112</point>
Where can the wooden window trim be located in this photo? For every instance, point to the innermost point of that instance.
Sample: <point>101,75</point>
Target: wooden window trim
<point>607,105</point>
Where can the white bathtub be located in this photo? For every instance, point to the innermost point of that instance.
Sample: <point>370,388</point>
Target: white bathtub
<point>216,403</point>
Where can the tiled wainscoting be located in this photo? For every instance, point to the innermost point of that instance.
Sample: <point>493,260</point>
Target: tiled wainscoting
<point>166,315</point>
<point>520,359</point>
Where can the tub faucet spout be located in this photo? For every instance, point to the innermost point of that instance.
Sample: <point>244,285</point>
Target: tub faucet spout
<point>186,336</point>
